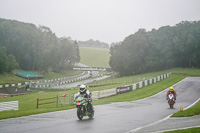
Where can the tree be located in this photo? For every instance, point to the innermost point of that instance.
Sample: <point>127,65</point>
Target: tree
<point>36,48</point>
<point>7,62</point>
<point>160,49</point>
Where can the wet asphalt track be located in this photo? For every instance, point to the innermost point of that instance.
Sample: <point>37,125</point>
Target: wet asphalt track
<point>111,118</point>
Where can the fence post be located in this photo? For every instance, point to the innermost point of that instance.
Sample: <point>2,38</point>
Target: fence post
<point>57,102</point>
<point>69,98</point>
<point>37,102</point>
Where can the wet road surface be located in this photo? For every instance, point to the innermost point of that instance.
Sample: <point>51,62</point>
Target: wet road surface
<point>171,124</point>
<point>111,118</point>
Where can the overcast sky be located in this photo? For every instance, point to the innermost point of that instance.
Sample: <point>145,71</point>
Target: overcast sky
<point>104,20</point>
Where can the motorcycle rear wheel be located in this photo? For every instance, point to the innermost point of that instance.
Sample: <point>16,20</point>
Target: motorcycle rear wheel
<point>79,113</point>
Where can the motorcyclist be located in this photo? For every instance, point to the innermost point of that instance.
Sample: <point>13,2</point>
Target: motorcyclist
<point>86,93</point>
<point>171,91</point>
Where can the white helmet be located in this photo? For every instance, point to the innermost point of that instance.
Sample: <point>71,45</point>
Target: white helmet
<point>82,88</point>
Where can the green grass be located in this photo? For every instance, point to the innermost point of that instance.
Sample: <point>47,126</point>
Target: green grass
<point>27,103</point>
<point>53,75</point>
<point>193,72</point>
<point>189,130</point>
<point>195,110</point>
<point>94,57</point>
<point>9,78</point>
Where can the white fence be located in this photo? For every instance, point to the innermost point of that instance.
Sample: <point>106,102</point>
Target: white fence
<point>101,94</point>
<point>105,93</point>
<point>13,105</point>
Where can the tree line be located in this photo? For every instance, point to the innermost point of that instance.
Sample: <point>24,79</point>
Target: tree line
<point>167,47</point>
<point>28,47</point>
<point>92,43</point>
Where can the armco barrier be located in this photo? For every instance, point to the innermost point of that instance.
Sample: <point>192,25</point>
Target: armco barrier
<point>124,89</point>
<point>150,81</point>
<point>101,94</point>
<point>40,81</point>
<point>105,93</point>
<point>119,90</point>
<point>95,95</point>
<point>145,82</point>
<point>13,105</point>
<point>134,87</point>
<point>140,84</point>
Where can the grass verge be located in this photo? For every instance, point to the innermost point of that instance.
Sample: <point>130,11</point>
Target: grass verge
<point>194,110</point>
<point>189,130</point>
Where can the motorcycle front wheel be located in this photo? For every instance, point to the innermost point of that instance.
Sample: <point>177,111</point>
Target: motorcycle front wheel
<point>91,115</point>
<point>79,113</point>
<point>91,110</point>
<point>171,105</point>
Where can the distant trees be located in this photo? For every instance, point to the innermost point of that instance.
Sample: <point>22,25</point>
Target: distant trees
<point>7,62</point>
<point>92,43</point>
<point>36,48</point>
<point>167,47</point>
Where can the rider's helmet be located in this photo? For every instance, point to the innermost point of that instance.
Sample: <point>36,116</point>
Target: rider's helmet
<point>171,89</point>
<point>82,89</point>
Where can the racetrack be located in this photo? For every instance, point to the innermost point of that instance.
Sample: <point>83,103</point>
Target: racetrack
<point>110,118</point>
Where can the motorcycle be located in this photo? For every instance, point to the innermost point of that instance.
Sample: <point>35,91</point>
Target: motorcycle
<point>171,100</point>
<point>83,107</point>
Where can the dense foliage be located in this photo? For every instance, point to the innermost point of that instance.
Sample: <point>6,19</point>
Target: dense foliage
<point>167,47</point>
<point>92,43</point>
<point>35,48</point>
<point>7,62</point>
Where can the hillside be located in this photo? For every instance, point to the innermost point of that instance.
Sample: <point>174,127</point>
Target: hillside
<point>94,57</point>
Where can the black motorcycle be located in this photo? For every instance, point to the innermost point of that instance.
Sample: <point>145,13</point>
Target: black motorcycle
<point>84,107</point>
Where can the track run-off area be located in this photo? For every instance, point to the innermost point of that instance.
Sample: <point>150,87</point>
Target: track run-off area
<point>119,117</point>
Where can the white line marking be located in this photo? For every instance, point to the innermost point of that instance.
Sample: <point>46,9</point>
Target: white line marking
<point>192,104</point>
<point>134,130</point>
<point>175,129</point>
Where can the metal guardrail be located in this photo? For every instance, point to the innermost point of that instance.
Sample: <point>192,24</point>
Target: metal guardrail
<point>40,81</point>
